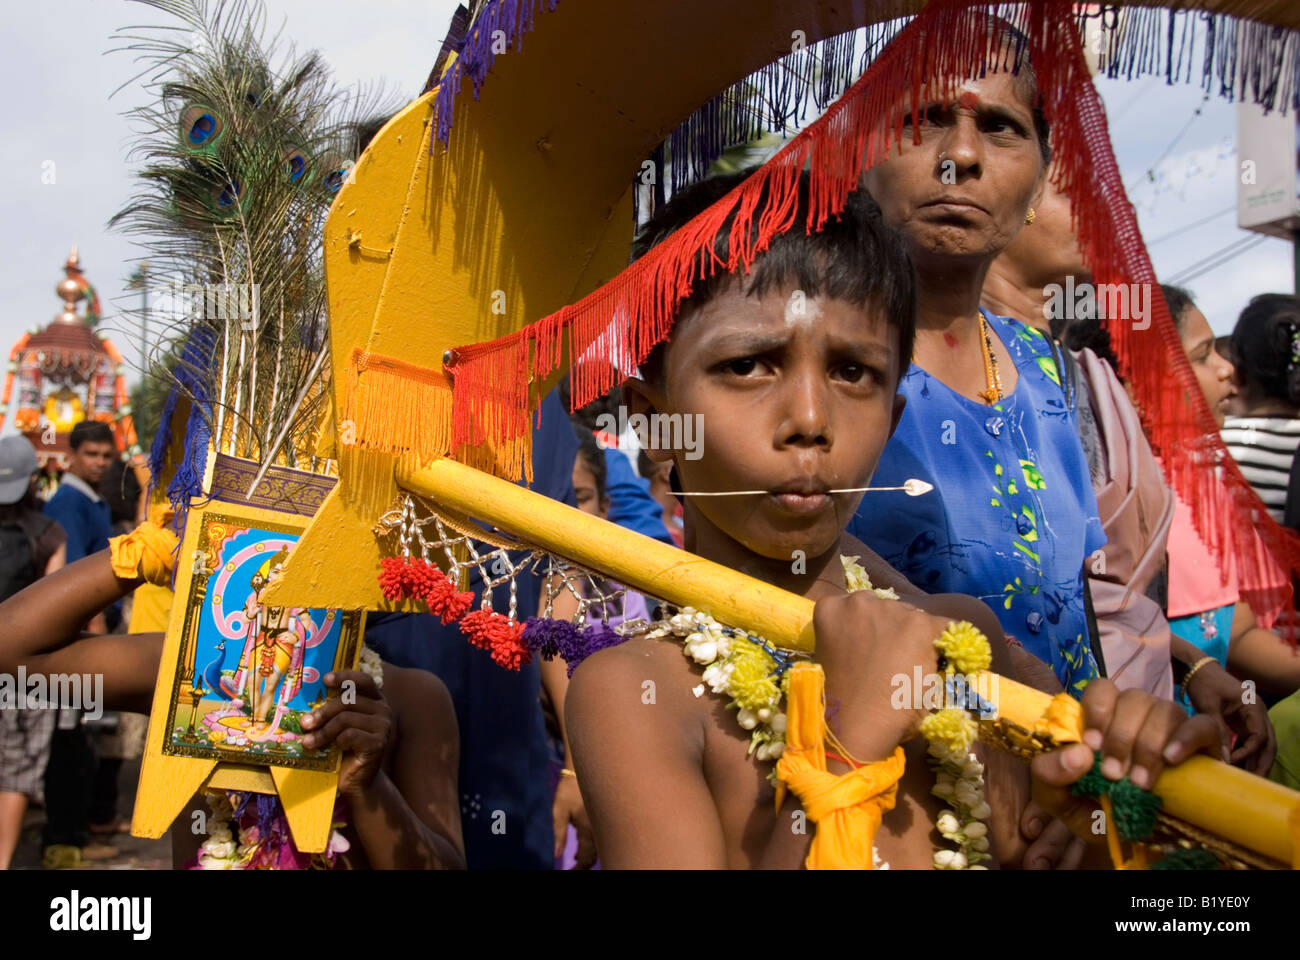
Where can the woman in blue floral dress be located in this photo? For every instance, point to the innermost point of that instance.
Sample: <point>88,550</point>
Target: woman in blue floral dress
<point>1013,518</point>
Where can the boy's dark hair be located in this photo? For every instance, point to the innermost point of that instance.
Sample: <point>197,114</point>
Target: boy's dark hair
<point>591,454</point>
<point>1265,343</point>
<point>1179,302</point>
<point>855,257</point>
<point>90,431</point>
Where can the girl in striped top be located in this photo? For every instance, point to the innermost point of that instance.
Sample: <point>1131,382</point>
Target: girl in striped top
<point>1266,354</point>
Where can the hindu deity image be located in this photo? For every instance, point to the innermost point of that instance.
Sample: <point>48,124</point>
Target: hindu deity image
<point>251,704</point>
<point>272,655</point>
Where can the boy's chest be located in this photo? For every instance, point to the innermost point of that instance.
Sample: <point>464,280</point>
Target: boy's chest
<point>745,800</point>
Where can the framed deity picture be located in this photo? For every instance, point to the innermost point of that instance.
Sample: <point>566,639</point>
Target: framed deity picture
<point>237,673</point>
<point>249,670</point>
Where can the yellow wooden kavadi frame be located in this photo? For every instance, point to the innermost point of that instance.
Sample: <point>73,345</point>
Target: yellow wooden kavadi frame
<point>528,208</point>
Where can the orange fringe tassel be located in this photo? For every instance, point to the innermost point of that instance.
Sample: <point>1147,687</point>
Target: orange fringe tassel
<point>405,410</point>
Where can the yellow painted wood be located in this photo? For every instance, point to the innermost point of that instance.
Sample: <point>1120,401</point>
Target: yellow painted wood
<point>241,779</point>
<point>1295,838</point>
<point>1239,806</point>
<point>166,786</point>
<point>631,558</point>
<point>308,800</point>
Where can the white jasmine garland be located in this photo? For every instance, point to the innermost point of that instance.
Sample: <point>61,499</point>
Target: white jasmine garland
<point>371,665</point>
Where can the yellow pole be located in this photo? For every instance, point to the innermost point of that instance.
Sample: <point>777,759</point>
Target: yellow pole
<point>1240,807</point>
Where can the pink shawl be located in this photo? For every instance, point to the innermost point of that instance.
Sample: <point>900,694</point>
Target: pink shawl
<point>1136,509</point>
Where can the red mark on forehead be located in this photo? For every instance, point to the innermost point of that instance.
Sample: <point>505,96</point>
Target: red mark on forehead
<point>949,339</point>
<point>969,100</point>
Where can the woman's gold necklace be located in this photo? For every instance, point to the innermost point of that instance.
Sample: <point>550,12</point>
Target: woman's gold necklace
<point>991,379</point>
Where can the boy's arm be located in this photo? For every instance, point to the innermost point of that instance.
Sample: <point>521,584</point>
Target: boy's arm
<point>410,820</point>
<point>639,755</point>
<point>42,624</point>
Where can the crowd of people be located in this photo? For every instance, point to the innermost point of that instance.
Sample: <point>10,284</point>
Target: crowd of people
<point>924,353</point>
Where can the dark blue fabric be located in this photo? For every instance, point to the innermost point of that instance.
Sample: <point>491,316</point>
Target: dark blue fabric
<point>630,503</point>
<point>1012,515</point>
<point>503,743</point>
<point>88,524</point>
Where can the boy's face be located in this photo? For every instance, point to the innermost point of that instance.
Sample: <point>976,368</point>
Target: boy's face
<point>795,397</point>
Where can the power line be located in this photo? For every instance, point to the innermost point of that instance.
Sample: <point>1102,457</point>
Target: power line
<point>1210,263</point>
<point>1191,226</point>
<point>1150,174</point>
<point>1197,265</point>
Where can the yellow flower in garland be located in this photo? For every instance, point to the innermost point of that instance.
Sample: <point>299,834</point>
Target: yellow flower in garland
<point>966,648</point>
<point>753,684</point>
<point>951,729</point>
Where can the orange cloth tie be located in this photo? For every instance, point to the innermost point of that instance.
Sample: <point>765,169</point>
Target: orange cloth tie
<point>146,551</point>
<point>847,809</point>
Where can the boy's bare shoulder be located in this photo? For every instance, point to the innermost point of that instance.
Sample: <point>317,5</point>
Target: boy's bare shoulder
<point>639,671</point>
<point>880,572</point>
<point>638,657</point>
<point>955,605</point>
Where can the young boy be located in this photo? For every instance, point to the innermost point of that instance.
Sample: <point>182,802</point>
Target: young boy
<point>794,369</point>
<point>400,746</point>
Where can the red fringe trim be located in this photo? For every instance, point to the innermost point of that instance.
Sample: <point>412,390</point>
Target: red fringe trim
<point>944,41</point>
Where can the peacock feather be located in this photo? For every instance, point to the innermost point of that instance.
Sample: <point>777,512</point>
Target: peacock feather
<point>240,150</point>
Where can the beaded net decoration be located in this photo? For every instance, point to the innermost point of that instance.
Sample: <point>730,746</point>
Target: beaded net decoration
<point>438,554</point>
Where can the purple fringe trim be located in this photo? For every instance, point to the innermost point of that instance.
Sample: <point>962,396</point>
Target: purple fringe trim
<point>513,18</point>
<point>192,378</point>
<point>551,638</point>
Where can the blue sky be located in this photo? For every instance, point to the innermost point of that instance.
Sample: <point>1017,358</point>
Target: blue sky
<point>59,77</point>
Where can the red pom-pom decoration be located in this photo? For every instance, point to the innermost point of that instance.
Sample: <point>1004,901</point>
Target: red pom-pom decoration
<point>403,578</point>
<point>499,635</point>
<point>394,577</point>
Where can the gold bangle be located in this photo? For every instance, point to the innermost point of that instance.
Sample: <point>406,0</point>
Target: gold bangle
<point>566,772</point>
<point>1196,666</point>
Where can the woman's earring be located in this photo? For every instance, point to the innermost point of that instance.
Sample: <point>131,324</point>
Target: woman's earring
<point>1029,217</point>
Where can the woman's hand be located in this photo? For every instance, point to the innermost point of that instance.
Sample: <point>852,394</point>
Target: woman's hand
<point>1137,735</point>
<point>359,720</point>
<point>1216,693</point>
